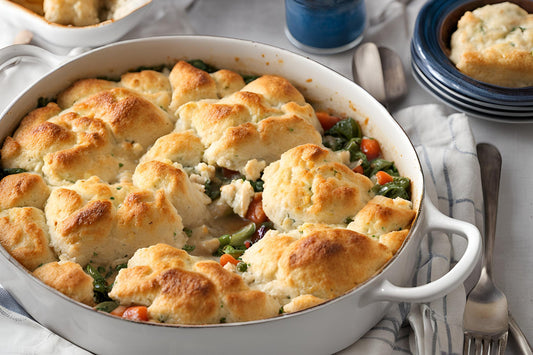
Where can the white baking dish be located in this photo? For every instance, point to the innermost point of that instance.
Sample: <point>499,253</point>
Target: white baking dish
<point>70,36</point>
<point>323,329</point>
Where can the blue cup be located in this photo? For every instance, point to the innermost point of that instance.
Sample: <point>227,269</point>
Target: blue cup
<point>325,26</point>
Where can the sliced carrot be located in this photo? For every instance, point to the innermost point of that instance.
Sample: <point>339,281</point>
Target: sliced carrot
<point>326,120</point>
<point>382,178</point>
<point>255,211</point>
<point>358,169</point>
<point>227,258</point>
<point>138,313</point>
<point>371,148</point>
<point>119,311</point>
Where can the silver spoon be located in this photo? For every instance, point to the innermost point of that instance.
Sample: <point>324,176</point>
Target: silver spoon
<point>379,70</point>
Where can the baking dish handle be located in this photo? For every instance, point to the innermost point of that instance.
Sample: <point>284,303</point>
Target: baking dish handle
<point>435,220</point>
<point>11,55</point>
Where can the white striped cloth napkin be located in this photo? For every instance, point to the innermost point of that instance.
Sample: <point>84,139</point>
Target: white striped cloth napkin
<point>447,152</point>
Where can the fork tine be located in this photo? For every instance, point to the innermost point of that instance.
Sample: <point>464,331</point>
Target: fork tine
<point>466,345</point>
<point>487,346</point>
<point>477,345</point>
<point>502,344</point>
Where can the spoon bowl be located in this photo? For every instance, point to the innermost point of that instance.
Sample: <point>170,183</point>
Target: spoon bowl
<point>379,70</point>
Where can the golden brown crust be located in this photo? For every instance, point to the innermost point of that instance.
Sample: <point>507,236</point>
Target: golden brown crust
<point>71,12</point>
<point>68,278</point>
<point>324,262</point>
<point>383,215</point>
<point>24,189</point>
<point>302,302</point>
<point>153,86</point>
<point>189,201</point>
<point>265,141</point>
<point>185,148</point>
<point>190,84</point>
<point>129,116</point>
<point>188,291</point>
<point>493,44</point>
<point>81,89</point>
<point>94,221</point>
<point>24,235</point>
<point>227,82</point>
<point>309,184</point>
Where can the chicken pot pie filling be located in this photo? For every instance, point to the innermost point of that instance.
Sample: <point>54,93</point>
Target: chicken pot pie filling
<point>192,195</point>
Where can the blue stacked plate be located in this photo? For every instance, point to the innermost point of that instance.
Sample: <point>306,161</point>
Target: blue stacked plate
<point>438,75</point>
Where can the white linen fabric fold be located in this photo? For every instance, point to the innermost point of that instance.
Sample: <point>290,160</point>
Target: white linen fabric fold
<point>447,152</point>
<point>446,149</point>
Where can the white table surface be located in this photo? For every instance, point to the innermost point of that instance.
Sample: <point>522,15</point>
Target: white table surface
<point>263,21</point>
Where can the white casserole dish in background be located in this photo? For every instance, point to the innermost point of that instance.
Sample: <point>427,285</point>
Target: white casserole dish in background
<point>322,329</point>
<point>71,36</point>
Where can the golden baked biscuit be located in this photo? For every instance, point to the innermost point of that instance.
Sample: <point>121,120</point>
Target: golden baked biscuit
<point>190,202</point>
<point>81,89</point>
<point>190,84</point>
<point>24,235</point>
<point>69,279</point>
<point>227,82</point>
<point>64,146</point>
<point>382,215</point>
<point>151,84</point>
<point>91,152</point>
<point>71,12</point>
<point>23,189</point>
<point>394,240</point>
<point>209,119</point>
<point>94,221</point>
<point>494,44</point>
<point>324,263</point>
<point>302,302</point>
<point>185,148</point>
<point>34,138</point>
<point>130,116</point>
<point>310,185</point>
<point>185,289</point>
<point>265,141</point>
<point>257,122</point>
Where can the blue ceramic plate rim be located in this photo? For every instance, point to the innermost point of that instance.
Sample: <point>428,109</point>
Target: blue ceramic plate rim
<point>467,110</point>
<point>426,44</point>
<point>466,106</point>
<point>517,107</point>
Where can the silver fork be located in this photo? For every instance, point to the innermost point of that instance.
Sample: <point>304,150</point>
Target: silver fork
<point>486,318</point>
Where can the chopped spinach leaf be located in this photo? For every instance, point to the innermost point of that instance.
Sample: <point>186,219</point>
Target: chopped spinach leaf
<point>398,187</point>
<point>212,189</point>
<point>43,101</point>
<point>257,185</point>
<point>249,78</point>
<point>188,248</point>
<point>200,64</point>
<point>383,165</point>
<point>347,128</point>
<point>10,171</point>
<point>100,286</point>
<point>106,306</point>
